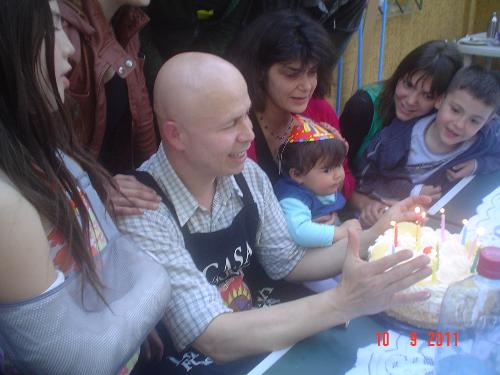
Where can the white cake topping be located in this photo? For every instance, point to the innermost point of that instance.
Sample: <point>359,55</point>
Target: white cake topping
<point>453,264</point>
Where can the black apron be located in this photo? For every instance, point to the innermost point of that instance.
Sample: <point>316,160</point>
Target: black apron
<point>227,259</point>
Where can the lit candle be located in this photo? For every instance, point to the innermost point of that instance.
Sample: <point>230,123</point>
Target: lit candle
<point>442,223</point>
<point>474,245</point>
<point>464,231</point>
<point>417,212</point>
<point>395,229</point>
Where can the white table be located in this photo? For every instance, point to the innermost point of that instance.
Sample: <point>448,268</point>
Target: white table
<point>478,45</point>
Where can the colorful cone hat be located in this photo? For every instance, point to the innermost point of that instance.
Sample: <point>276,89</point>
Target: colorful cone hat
<point>306,130</point>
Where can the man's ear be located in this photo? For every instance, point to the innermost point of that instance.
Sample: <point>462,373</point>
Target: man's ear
<point>295,175</point>
<point>172,134</point>
<point>439,101</point>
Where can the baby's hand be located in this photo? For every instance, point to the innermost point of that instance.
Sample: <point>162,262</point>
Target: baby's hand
<point>461,170</point>
<point>341,231</point>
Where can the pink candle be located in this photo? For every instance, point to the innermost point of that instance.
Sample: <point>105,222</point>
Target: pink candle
<point>442,223</point>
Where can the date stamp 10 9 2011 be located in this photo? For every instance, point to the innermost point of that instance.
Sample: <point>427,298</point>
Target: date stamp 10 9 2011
<point>433,338</point>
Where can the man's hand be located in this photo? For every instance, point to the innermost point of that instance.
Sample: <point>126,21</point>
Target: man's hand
<point>461,170</point>
<point>133,197</point>
<point>371,287</point>
<point>431,191</point>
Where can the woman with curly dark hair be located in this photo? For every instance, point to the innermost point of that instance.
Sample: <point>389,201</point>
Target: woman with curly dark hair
<point>287,60</point>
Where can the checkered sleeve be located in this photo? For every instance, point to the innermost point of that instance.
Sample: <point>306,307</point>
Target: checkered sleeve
<point>277,251</point>
<point>194,302</point>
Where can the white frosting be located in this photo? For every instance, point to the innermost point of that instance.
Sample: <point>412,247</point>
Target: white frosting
<point>454,265</point>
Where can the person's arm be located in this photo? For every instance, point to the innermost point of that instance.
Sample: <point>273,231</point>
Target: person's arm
<point>490,161</point>
<point>282,258</point>
<point>366,288</point>
<point>370,210</point>
<point>197,315</point>
<point>303,230</point>
<point>322,263</point>
<point>382,166</point>
<point>194,302</point>
<point>26,269</point>
<point>355,121</point>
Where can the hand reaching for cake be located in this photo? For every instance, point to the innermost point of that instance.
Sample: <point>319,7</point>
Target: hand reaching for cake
<point>402,211</point>
<point>372,287</point>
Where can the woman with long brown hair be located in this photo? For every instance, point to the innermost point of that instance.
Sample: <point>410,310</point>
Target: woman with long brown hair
<point>69,282</point>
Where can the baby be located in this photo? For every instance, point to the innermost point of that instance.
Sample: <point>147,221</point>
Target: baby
<point>310,164</point>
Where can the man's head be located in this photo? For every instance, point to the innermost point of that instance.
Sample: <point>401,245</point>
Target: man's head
<point>470,101</point>
<point>202,103</point>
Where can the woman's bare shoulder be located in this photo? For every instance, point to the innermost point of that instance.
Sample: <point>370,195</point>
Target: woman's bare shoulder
<point>24,248</point>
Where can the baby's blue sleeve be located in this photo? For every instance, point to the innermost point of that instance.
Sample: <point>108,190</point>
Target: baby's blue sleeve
<point>303,230</point>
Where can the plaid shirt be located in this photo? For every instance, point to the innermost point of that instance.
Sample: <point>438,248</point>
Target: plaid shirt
<point>195,302</point>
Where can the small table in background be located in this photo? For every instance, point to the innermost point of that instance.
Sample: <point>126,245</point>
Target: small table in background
<point>479,45</point>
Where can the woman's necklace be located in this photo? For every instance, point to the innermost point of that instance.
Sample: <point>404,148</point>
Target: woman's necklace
<point>281,136</point>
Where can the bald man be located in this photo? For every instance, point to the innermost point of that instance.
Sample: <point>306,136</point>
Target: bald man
<point>220,225</point>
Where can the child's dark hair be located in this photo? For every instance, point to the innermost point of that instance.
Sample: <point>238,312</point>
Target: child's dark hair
<point>478,82</point>
<point>303,156</point>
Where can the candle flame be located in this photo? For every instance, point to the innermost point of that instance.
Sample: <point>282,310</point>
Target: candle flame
<point>441,210</point>
<point>417,210</point>
<point>393,223</point>
<point>465,221</point>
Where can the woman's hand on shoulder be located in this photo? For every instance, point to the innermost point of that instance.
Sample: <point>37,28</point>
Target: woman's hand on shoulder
<point>26,269</point>
<point>132,198</point>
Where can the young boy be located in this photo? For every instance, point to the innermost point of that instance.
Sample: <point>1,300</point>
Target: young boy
<point>425,155</point>
<point>309,191</point>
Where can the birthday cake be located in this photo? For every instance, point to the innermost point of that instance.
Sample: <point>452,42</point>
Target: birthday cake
<point>450,262</point>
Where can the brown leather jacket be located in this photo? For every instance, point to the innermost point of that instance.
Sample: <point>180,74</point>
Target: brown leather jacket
<point>97,50</point>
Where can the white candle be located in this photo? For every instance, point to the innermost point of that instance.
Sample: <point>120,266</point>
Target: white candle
<point>464,231</point>
<point>442,224</point>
